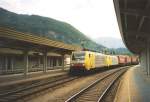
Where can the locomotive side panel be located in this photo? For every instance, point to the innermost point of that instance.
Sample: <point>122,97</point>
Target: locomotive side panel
<point>108,61</point>
<point>89,60</point>
<point>115,60</point>
<point>99,60</point>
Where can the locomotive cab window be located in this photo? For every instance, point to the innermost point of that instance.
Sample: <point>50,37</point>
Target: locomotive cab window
<point>78,56</point>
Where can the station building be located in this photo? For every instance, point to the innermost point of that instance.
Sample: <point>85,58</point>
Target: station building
<point>24,53</point>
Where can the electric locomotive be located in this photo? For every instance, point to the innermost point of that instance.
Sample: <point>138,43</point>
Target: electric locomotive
<point>88,60</point>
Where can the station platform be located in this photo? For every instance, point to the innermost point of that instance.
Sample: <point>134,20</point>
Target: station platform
<point>7,80</point>
<point>134,86</point>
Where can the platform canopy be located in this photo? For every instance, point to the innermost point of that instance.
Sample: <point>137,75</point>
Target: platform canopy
<point>134,23</point>
<point>25,41</point>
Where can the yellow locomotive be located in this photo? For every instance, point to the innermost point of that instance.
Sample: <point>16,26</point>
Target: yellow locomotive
<point>87,60</point>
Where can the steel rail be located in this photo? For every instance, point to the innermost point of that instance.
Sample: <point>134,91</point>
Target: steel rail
<point>89,86</point>
<point>109,86</point>
<point>17,94</point>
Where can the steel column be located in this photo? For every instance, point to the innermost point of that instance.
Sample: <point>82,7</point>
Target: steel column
<point>45,62</point>
<point>6,63</point>
<point>12,63</point>
<point>148,58</point>
<point>63,58</point>
<point>26,63</point>
<point>52,62</point>
<point>145,59</point>
<point>57,62</point>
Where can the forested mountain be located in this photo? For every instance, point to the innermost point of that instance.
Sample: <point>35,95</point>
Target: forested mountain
<point>46,27</point>
<point>120,51</point>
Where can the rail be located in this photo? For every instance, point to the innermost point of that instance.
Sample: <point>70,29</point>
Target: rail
<point>84,90</point>
<point>33,88</point>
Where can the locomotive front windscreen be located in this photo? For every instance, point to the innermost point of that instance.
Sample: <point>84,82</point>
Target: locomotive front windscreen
<point>78,56</point>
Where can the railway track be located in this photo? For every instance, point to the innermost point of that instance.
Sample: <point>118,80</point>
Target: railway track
<point>97,90</point>
<point>28,90</point>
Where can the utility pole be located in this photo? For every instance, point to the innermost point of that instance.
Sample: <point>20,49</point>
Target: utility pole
<point>82,43</point>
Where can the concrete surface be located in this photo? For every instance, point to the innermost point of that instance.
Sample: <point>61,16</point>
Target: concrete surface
<point>134,86</point>
<point>20,78</point>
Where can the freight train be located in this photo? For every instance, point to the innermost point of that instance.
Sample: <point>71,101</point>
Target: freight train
<point>88,60</point>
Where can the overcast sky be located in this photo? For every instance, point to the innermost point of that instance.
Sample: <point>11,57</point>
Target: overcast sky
<point>95,18</point>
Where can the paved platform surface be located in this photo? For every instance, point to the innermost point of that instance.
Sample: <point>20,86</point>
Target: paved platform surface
<point>134,86</point>
<point>20,78</point>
